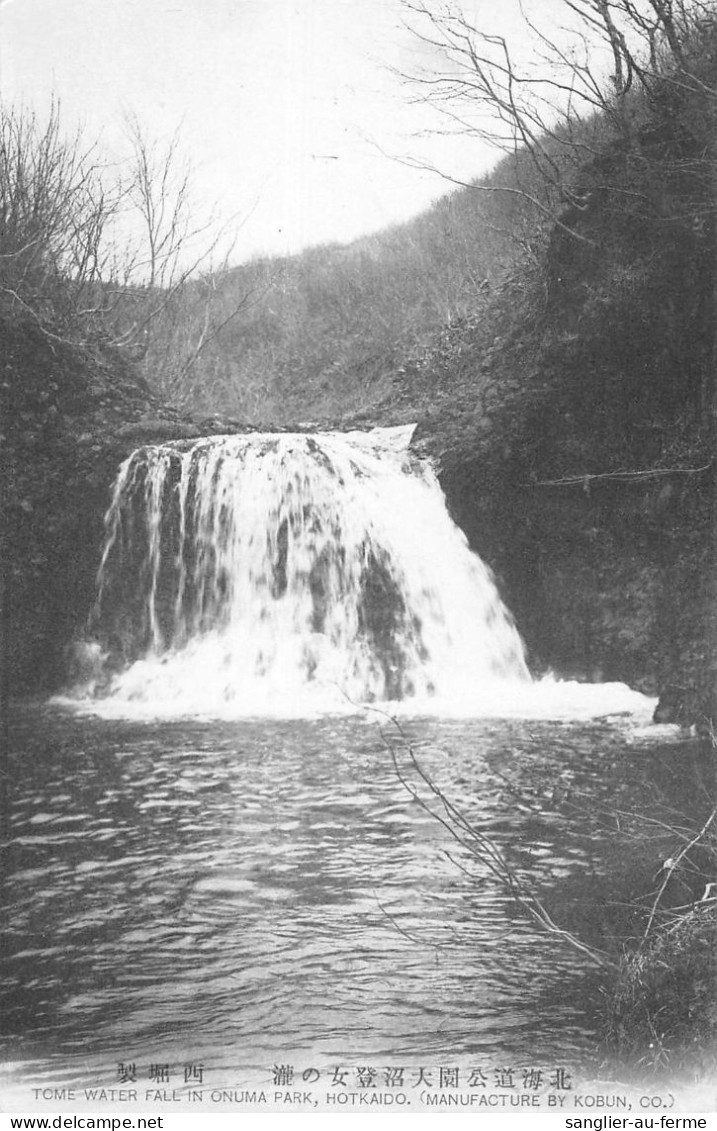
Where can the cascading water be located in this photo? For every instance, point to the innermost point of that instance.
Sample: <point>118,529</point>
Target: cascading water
<point>260,573</point>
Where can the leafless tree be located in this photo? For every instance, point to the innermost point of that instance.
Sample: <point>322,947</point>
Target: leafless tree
<point>579,91</point>
<point>93,249</point>
<point>54,211</point>
<point>164,245</point>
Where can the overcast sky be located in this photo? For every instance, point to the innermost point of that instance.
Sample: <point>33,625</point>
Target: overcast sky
<point>290,110</point>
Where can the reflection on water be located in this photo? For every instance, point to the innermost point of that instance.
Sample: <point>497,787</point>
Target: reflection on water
<point>242,892</point>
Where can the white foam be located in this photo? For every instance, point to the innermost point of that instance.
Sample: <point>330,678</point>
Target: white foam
<point>296,575</point>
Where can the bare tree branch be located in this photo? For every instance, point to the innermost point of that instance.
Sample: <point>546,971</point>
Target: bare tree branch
<point>540,104</point>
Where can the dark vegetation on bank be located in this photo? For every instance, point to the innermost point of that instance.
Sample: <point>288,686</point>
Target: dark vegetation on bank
<point>646,934</point>
<point>660,1014</point>
<point>552,331</point>
<point>658,999</point>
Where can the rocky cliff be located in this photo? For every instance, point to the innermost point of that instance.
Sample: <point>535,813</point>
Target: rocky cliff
<point>69,415</point>
<point>569,413</point>
<point>572,422</point>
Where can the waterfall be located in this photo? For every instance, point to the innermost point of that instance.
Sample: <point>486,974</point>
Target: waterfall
<point>255,573</point>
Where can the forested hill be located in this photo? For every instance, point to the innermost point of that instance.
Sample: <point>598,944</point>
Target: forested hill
<point>322,333</point>
<point>595,237</point>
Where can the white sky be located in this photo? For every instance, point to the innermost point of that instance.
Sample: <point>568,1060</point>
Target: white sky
<point>287,109</point>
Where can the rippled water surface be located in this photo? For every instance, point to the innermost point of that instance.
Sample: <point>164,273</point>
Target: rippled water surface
<point>242,893</point>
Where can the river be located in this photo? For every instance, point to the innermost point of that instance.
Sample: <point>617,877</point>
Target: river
<point>198,894</point>
<point>240,894</point>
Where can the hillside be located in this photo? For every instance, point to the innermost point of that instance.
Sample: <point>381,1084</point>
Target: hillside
<point>550,328</point>
<point>560,361</point>
<point>320,335</point>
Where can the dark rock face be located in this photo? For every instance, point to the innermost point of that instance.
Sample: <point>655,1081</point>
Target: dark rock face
<point>604,585</point>
<point>670,707</point>
<point>68,418</point>
<point>577,455</point>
